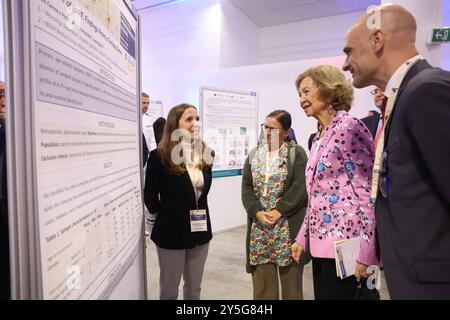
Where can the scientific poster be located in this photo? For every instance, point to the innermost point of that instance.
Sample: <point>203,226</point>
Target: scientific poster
<point>229,122</point>
<point>87,155</point>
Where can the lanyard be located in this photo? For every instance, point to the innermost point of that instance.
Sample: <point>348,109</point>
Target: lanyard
<point>379,151</point>
<point>196,185</point>
<point>378,162</point>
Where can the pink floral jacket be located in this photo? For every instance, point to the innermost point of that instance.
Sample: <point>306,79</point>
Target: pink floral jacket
<point>338,180</point>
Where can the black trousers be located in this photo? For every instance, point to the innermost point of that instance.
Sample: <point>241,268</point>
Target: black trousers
<point>327,285</point>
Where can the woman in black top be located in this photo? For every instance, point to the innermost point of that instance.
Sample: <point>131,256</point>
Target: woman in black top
<point>177,183</point>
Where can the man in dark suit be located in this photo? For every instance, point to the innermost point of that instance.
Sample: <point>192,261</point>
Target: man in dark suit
<point>372,121</point>
<point>413,198</point>
<point>373,112</point>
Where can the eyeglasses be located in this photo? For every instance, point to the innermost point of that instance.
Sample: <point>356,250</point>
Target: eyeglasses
<point>267,128</point>
<point>384,179</point>
<point>375,91</point>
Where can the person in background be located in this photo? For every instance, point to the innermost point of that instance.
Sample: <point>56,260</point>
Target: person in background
<point>292,136</point>
<point>372,113</point>
<point>338,176</point>
<point>178,180</point>
<point>411,176</point>
<point>312,136</point>
<point>274,196</point>
<point>145,101</point>
<point>158,129</point>
<point>374,122</point>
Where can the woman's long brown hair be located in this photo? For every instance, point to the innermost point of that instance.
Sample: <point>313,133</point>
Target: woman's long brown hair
<point>166,146</point>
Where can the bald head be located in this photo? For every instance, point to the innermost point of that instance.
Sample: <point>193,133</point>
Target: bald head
<point>397,24</point>
<point>380,41</point>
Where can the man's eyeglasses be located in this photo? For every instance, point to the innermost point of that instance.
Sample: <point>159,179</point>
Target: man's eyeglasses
<point>375,91</point>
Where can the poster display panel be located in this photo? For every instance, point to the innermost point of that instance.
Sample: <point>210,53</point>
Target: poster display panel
<point>86,143</point>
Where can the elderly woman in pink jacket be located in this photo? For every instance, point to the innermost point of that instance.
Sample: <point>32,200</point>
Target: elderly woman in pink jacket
<point>338,179</point>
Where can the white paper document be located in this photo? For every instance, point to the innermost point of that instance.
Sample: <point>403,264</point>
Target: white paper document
<point>346,252</point>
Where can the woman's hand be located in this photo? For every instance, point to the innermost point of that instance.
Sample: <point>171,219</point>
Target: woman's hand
<point>297,250</point>
<point>361,271</point>
<point>264,218</point>
<point>275,215</point>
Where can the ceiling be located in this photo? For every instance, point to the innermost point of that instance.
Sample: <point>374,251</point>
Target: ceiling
<point>274,12</point>
<point>145,4</point>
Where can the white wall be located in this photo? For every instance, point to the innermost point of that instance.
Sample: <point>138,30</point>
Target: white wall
<point>225,204</point>
<point>428,15</point>
<point>323,37</point>
<point>239,38</point>
<point>178,38</point>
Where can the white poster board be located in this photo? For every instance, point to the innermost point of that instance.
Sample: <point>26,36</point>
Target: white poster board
<point>155,110</point>
<point>87,163</point>
<point>229,127</point>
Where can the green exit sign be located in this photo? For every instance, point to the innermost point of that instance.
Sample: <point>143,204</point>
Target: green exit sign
<point>440,35</point>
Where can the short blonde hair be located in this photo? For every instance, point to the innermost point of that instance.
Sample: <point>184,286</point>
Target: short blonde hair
<point>332,85</point>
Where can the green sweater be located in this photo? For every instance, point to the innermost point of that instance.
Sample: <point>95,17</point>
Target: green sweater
<point>293,203</point>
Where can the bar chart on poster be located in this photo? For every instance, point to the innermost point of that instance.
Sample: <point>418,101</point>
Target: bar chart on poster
<point>229,127</point>
<point>87,154</point>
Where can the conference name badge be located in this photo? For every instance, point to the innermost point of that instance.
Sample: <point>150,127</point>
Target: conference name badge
<point>198,221</point>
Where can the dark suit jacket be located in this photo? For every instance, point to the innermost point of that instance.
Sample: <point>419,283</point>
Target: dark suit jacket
<point>414,220</point>
<point>371,123</point>
<point>172,197</point>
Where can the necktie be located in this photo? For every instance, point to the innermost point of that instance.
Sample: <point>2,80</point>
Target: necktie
<point>383,108</point>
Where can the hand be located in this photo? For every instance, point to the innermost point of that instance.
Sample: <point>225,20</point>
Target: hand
<point>361,271</point>
<point>264,218</point>
<point>297,250</point>
<point>274,215</point>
